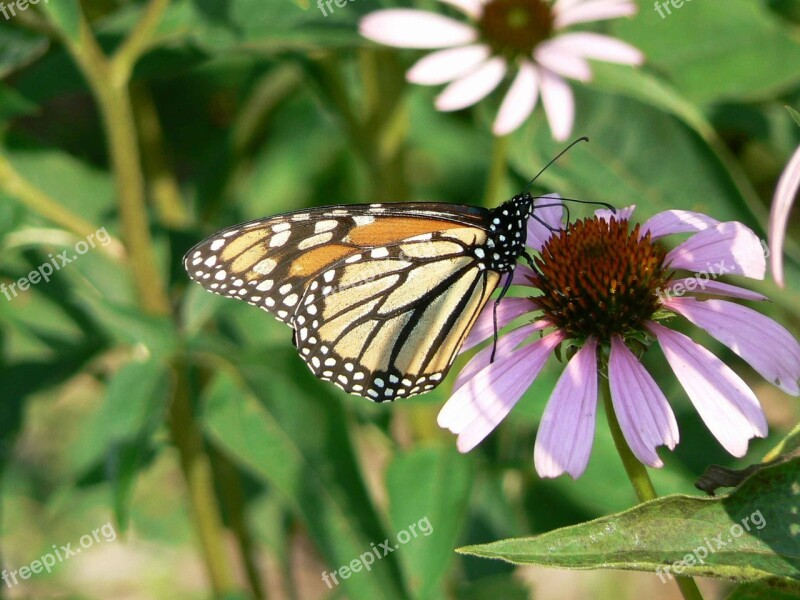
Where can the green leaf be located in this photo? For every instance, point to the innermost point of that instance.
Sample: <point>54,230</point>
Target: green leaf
<point>120,431</point>
<point>128,325</point>
<point>66,15</point>
<point>750,534</point>
<point>18,48</point>
<point>794,113</point>
<point>428,486</point>
<point>13,104</point>
<point>297,442</point>
<point>625,165</point>
<point>713,54</point>
<point>766,590</point>
<point>788,444</point>
<point>261,25</point>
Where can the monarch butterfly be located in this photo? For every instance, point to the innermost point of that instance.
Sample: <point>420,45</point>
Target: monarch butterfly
<point>380,296</point>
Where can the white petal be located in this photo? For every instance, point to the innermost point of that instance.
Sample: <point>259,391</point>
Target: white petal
<point>729,247</point>
<point>566,431</point>
<point>476,408</point>
<point>762,342</point>
<point>471,8</point>
<point>519,102</point>
<point>645,417</point>
<point>596,47</point>
<point>406,28</point>
<point>559,104</point>
<point>570,13</point>
<point>562,63</point>
<point>727,406</point>
<point>676,221</point>
<point>446,65</point>
<point>785,194</point>
<point>472,88</point>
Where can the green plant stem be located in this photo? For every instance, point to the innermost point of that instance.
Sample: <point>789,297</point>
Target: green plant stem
<point>639,478</point>
<point>109,80</point>
<point>497,172</point>
<point>164,189</point>
<point>38,201</point>
<point>197,471</point>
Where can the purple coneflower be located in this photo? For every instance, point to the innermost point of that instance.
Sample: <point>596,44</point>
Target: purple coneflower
<point>506,36</point>
<point>782,202</point>
<point>609,289</point>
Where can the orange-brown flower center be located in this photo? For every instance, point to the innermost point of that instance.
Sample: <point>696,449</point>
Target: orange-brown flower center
<point>514,28</point>
<point>599,279</point>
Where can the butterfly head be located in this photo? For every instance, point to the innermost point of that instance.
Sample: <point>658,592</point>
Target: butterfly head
<point>508,232</point>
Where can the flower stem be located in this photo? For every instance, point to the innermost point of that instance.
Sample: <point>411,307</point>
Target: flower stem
<point>637,473</point>
<point>497,171</point>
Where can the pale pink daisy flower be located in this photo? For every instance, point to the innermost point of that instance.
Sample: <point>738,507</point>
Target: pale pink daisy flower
<point>607,291</point>
<point>785,193</point>
<point>504,37</point>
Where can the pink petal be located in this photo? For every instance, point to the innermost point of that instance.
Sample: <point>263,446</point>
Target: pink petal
<point>550,56</point>
<point>549,218</point>
<point>476,408</point>
<point>703,285</point>
<point>596,47</point>
<point>769,348</point>
<point>508,310</point>
<point>566,431</point>
<point>522,275</point>
<point>471,8</point>
<point>676,221</point>
<point>505,345</point>
<point>519,102</point>
<point>727,406</point>
<point>559,104</point>
<point>622,214</point>
<point>407,28</point>
<point>473,87</point>
<point>644,415</point>
<point>570,13</point>
<point>726,248</point>
<point>785,193</point>
<point>446,65</point>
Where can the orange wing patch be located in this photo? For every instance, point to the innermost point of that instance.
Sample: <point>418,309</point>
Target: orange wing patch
<point>387,230</point>
<point>315,260</point>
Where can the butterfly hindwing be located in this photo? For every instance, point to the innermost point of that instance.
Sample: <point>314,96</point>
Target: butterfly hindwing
<point>388,322</point>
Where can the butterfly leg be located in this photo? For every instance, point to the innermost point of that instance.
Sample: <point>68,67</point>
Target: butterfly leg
<point>506,285</point>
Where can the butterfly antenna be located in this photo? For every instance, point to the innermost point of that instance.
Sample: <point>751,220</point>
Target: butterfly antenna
<point>610,207</point>
<point>554,159</point>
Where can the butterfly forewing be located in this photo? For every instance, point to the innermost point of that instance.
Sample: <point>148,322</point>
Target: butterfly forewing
<point>269,262</point>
